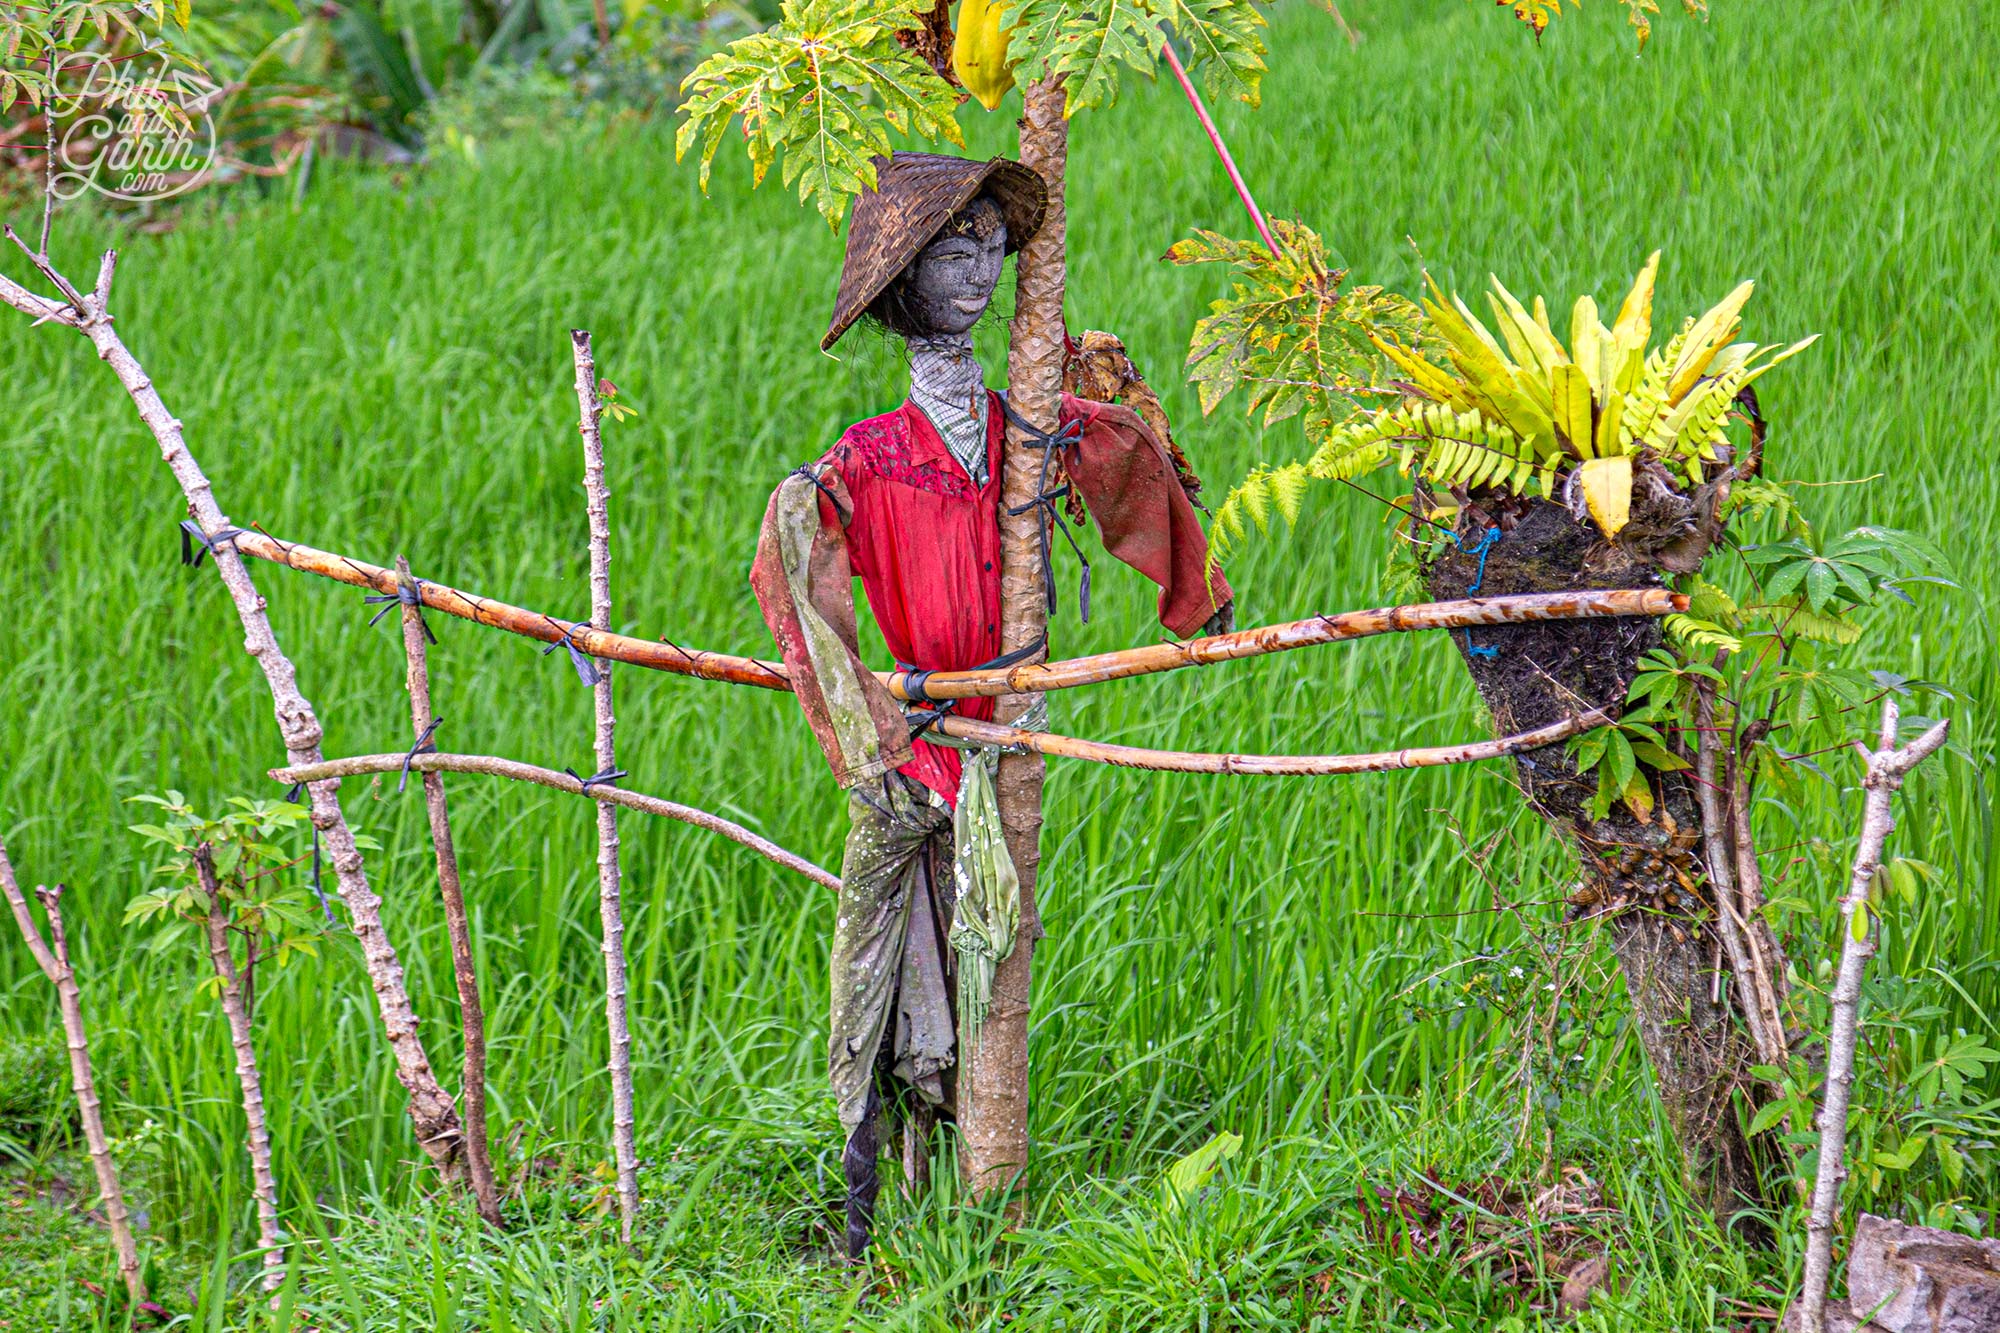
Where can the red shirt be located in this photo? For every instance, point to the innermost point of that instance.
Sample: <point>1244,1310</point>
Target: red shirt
<point>925,543</point>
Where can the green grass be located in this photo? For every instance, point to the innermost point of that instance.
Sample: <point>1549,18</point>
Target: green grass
<point>385,370</point>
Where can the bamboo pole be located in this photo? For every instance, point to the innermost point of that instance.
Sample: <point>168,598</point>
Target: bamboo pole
<point>433,1114</point>
<point>1269,765</point>
<point>1340,628</point>
<point>1887,767</point>
<point>52,956</point>
<point>491,766</point>
<point>471,1013</point>
<point>609,909</point>
<point>263,1184</point>
<point>1148,659</point>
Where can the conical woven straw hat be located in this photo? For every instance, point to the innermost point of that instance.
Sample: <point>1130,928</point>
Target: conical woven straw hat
<point>915,194</point>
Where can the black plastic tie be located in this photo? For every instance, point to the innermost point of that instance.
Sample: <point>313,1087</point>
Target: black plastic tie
<point>840,510</point>
<point>1045,499</point>
<point>410,595</point>
<point>586,670</point>
<point>191,535</point>
<point>292,795</point>
<point>423,746</point>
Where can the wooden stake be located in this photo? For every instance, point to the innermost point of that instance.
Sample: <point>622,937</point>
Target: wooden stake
<point>471,1013</point>
<point>1887,767</point>
<point>610,911</point>
<point>262,1182</point>
<point>52,956</point>
<point>432,1112</point>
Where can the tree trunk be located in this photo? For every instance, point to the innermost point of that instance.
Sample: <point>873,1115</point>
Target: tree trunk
<point>611,917</point>
<point>993,1078</point>
<point>472,1014</point>
<point>433,1114</point>
<point>1645,878</point>
<point>53,958</point>
<point>263,1185</point>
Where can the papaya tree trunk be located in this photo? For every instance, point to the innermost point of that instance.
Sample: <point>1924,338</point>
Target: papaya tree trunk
<point>993,1078</point>
<point>1646,878</point>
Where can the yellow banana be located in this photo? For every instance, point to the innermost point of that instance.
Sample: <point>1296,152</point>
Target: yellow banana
<point>979,53</point>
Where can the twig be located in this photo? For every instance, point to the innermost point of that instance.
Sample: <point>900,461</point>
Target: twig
<point>263,1184</point>
<point>52,956</point>
<point>1887,767</point>
<point>49,154</point>
<point>432,1112</point>
<point>472,1014</point>
<point>1765,951</point>
<point>1719,859</point>
<point>492,766</point>
<point>610,911</point>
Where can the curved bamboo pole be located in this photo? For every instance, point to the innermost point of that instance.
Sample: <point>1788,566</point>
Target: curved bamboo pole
<point>1268,765</point>
<point>1148,659</point>
<point>492,766</point>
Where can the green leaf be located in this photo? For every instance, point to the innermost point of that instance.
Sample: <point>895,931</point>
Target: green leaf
<point>1657,758</point>
<point>1769,1114</point>
<point>1225,43</point>
<point>1193,1171</point>
<point>1619,759</point>
<point>1588,749</point>
<point>824,90</point>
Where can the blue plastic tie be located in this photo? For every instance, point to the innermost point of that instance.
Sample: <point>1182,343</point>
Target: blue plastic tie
<point>1479,577</point>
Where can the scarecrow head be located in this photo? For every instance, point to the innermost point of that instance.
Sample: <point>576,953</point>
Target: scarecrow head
<point>926,245</point>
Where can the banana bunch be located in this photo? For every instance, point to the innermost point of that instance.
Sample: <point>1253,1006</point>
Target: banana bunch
<point>1517,409</point>
<point>979,52</point>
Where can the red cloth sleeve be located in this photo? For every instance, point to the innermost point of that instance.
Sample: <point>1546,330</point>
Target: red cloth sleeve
<point>1128,483</point>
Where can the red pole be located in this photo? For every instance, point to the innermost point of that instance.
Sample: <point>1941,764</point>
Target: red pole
<point>1221,149</point>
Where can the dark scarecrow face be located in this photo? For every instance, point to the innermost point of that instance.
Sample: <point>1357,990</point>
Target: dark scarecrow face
<point>948,286</point>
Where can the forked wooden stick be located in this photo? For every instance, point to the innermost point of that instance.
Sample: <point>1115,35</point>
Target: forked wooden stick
<point>52,956</point>
<point>1887,766</point>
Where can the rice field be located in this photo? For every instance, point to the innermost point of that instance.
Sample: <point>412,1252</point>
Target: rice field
<point>384,368</point>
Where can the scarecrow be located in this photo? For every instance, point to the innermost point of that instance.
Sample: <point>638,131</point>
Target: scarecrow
<point>910,502</point>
